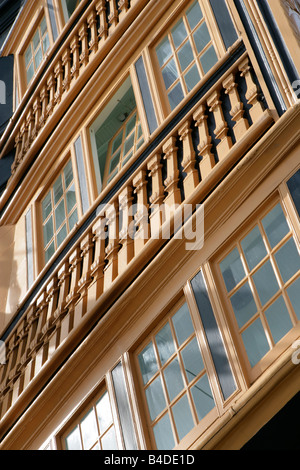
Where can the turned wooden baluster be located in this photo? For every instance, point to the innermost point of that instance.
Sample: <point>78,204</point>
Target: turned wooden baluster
<point>123,7</point>
<point>189,159</point>
<point>51,82</point>
<point>237,108</point>
<point>252,95</point>
<point>126,233</point>
<point>157,214</point>
<point>204,147</point>
<point>58,73</point>
<point>22,332</point>
<point>74,46</point>
<point>111,269</point>
<point>30,128</point>
<point>142,233</point>
<point>37,109</point>
<point>221,128</point>
<point>97,268</point>
<point>86,247</point>
<point>18,156</point>
<point>23,134</point>
<point>101,10</point>
<point>44,103</point>
<point>173,197</point>
<point>113,14</point>
<point>66,63</point>
<point>92,24</point>
<point>83,38</point>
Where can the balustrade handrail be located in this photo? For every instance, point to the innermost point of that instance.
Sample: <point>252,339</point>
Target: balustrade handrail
<point>209,138</point>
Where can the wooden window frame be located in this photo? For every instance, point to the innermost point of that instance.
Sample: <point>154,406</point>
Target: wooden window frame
<point>48,186</point>
<point>157,82</point>
<point>30,44</point>
<point>252,373</point>
<point>213,414</point>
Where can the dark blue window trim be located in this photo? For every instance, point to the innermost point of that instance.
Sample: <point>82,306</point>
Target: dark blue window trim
<point>261,57</point>
<point>224,21</point>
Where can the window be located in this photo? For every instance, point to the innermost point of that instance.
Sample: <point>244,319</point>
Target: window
<point>294,188</point>
<point>59,211</point>
<point>116,134</point>
<point>175,383</point>
<point>95,429</point>
<point>262,280</point>
<point>36,50</point>
<point>69,6</point>
<point>186,54</point>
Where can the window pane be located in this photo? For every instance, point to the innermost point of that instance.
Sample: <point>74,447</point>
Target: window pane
<point>47,206</point>
<point>254,248</point>
<point>117,142</point>
<point>48,231</point>
<point>192,77</point>
<point>201,37</point>
<point>179,33</point>
<point>62,235</point>
<point>183,417</point>
<point>73,219</point>
<point>183,324</point>
<point>243,305</point>
<point>46,43</point>
<point>57,189</point>
<point>175,96</point>
<point>209,59</point>
<point>36,40</point>
<point>203,397</point>
<point>50,252</point>
<point>232,269</point>
<point>60,214</point>
<point>30,72</point>
<point>293,293</point>
<point>275,225</point>
<point>173,379</point>
<point>71,198</point>
<point>114,161</point>
<point>89,430</point>
<point>109,441</point>
<point>265,282</point>
<point>68,174</point>
<point>155,398</point>
<point>38,57</point>
<point>278,319</point>
<point>164,51</point>
<point>129,144</point>
<point>185,56</point>
<point>192,360</point>
<point>148,363</point>
<point>288,260</point>
<point>130,125</point>
<point>163,434</point>
<point>104,412</point>
<point>165,343</point>
<point>194,15</point>
<point>255,342</point>
<point>43,26</point>
<point>170,73</point>
<point>28,55</point>
<point>73,440</point>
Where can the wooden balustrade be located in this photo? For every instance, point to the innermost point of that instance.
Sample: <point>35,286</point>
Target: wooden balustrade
<point>124,227</point>
<point>66,69</point>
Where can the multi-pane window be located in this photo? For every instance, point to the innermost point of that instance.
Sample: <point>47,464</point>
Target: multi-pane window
<point>59,211</point>
<point>262,279</point>
<point>175,383</point>
<point>186,54</point>
<point>36,49</point>
<point>124,144</point>
<point>95,430</point>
